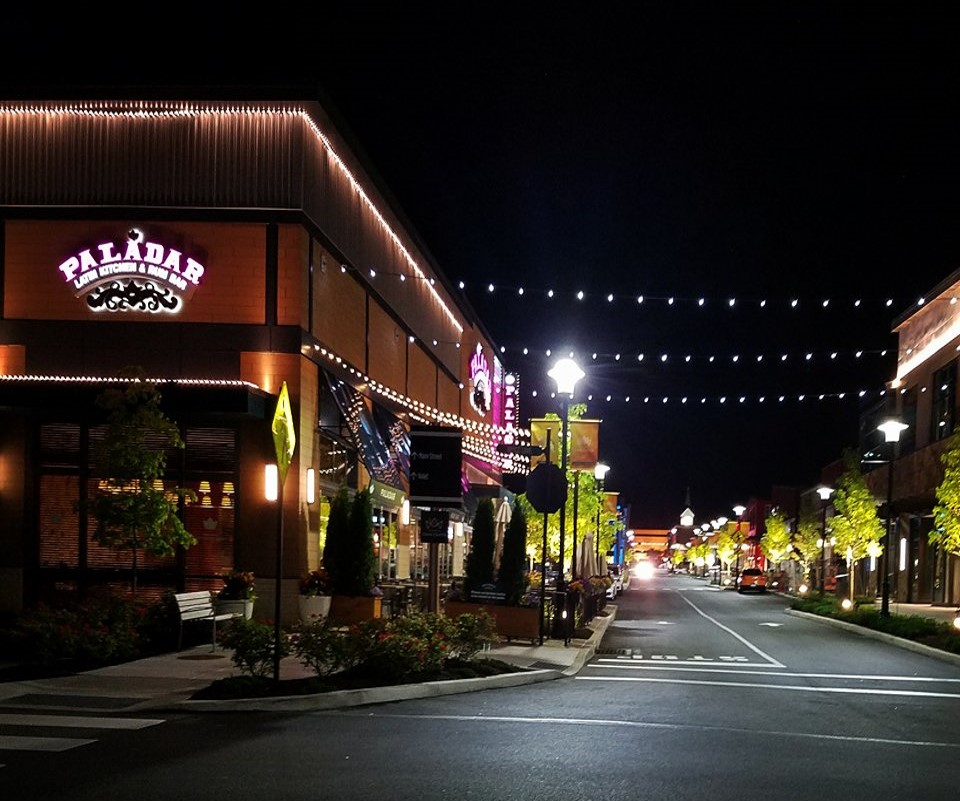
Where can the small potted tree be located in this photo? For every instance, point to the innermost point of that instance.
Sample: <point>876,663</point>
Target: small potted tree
<point>349,559</point>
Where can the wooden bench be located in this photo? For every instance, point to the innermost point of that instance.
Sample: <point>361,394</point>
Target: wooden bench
<point>200,606</point>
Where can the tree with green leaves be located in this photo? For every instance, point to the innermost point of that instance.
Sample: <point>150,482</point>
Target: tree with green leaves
<point>729,539</point>
<point>132,507</point>
<point>589,502</point>
<point>855,524</point>
<point>807,541</point>
<point>337,543</point>
<point>776,542</point>
<point>361,558</point>
<point>946,513</point>
<point>479,567</point>
<point>513,560</point>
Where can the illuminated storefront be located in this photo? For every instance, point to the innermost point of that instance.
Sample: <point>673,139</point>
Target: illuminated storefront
<point>223,249</point>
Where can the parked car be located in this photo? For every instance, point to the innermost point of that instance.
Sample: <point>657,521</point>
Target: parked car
<point>616,573</point>
<point>752,579</point>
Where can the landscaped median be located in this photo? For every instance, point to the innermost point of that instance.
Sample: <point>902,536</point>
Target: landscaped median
<point>414,656</point>
<point>935,638</point>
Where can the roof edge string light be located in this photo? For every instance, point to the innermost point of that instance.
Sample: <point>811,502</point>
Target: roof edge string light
<point>161,109</point>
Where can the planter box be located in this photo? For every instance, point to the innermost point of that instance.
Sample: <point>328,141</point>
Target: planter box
<point>242,607</point>
<point>313,606</point>
<point>347,609</point>
<point>513,622</point>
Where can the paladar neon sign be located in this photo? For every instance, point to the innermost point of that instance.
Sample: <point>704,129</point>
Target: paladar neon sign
<point>135,275</point>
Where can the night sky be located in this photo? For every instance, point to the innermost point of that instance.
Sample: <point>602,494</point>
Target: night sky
<point>628,149</point>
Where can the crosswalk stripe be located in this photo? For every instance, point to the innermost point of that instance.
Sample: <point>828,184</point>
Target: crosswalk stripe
<point>41,743</point>
<point>78,721</point>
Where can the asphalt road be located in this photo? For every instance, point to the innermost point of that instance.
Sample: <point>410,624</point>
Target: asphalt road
<point>695,693</point>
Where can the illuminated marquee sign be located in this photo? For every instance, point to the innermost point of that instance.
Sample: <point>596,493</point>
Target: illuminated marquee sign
<point>511,396</point>
<point>479,381</point>
<point>134,275</point>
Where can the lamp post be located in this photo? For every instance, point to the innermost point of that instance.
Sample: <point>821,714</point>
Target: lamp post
<point>599,473</point>
<point>738,510</point>
<point>566,373</point>
<point>721,523</point>
<point>892,429</point>
<point>824,492</point>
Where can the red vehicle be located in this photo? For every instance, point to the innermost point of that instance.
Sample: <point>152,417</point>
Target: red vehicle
<point>752,579</point>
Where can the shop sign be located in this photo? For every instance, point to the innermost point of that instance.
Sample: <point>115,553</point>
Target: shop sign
<point>434,526</point>
<point>383,496</point>
<point>480,381</point>
<point>132,275</point>
<point>511,395</point>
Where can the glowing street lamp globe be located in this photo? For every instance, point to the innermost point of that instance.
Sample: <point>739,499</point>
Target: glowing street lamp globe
<point>566,373</point>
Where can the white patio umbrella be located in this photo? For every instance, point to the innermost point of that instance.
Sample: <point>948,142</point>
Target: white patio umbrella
<point>502,518</point>
<point>588,561</point>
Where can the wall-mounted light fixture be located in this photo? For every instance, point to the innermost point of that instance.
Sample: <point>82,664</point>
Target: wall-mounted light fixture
<point>311,485</point>
<point>271,482</point>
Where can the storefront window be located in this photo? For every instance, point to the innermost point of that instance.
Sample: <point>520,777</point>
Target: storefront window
<point>944,399</point>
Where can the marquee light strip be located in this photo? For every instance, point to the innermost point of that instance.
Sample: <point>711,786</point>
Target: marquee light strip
<point>90,379</point>
<point>421,410</point>
<point>160,109</point>
<point>704,302</point>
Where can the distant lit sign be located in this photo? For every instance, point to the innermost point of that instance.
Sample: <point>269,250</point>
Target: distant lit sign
<point>132,275</point>
<point>479,381</point>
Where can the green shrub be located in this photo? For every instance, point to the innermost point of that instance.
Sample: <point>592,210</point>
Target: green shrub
<point>918,628</point>
<point>324,647</point>
<point>471,633</point>
<point>410,646</point>
<point>253,644</point>
<point>104,628</point>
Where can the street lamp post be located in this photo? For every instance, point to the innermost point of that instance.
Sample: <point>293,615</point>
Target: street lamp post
<point>566,373</point>
<point>892,429</point>
<point>738,510</point>
<point>721,523</point>
<point>599,473</point>
<point>824,492</point>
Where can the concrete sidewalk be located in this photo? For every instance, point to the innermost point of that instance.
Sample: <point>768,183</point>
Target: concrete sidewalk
<point>169,680</point>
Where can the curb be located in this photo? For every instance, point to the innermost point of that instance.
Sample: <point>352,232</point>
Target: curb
<point>587,652</point>
<point>344,699</point>
<point>889,639</point>
<point>341,699</point>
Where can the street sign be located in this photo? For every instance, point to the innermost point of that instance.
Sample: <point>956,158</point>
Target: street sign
<point>547,488</point>
<point>436,464</point>
<point>520,450</point>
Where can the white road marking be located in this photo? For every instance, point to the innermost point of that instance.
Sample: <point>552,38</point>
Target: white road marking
<point>756,686</point>
<point>771,625</point>
<point>671,726</point>
<point>730,631</point>
<point>41,743</point>
<point>640,663</point>
<point>626,663</point>
<point>77,722</point>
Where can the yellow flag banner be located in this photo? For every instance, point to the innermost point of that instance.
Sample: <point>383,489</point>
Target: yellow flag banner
<point>540,428</point>
<point>610,502</point>
<point>584,444</point>
<point>284,434</point>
